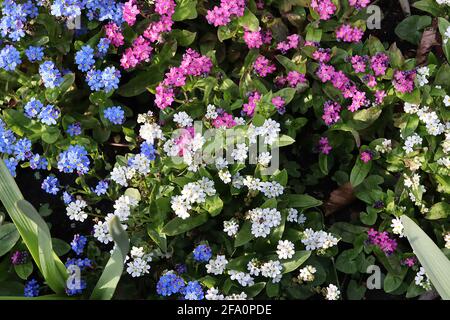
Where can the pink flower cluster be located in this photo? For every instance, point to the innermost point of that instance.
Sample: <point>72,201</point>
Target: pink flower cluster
<point>382,240</point>
<point>324,145</point>
<point>347,33</point>
<point>325,8</point>
<point>366,156</point>
<point>379,96</point>
<point>224,120</point>
<point>379,63</point>
<point>249,107</point>
<point>192,64</point>
<point>291,42</point>
<point>359,4</point>
<point>331,112</point>
<point>404,80</point>
<point>279,103</point>
<point>341,82</point>
<point>292,79</point>
<point>359,63</point>
<point>322,55</point>
<point>255,39</point>
<point>263,66</point>
<point>114,34</point>
<point>221,15</point>
<point>140,51</point>
<point>409,262</point>
<point>165,8</point>
<point>184,140</point>
<point>130,11</point>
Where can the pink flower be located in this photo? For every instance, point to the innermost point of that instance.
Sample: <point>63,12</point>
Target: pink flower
<point>224,120</point>
<point>379,96</point>
<point>359,4</point>
<point>358,63</point>
<point>322,55</point>
<point>165,7</point>
<point>164,96</point>
<point>366,156</point>
<point>324,145</point>
<point>140,51</point>
<point>347,33</point>
<point>253,39</point>
<point>221,15</point>
<point>379,63</point>
<point>358,100</point>
<point>404,81</point>
<point>382,240</point>
<point>279,102</point>
<point>249,108</point>
<point>175,77</point>
<point>325,72</point>
<point>331,112</point>
<point>263,67</point>
<point>129,12</point>
<point>410,262</point>
<point>291,42</point>
<point>114,34</point>
<point>371,80</point>
<point>325,8</point>
<point>294,78</point>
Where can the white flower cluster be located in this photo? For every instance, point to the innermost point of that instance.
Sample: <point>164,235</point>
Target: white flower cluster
<point>446,100</point>
<point>332,292</point>
<point>285,249</point>
<point>75,210</point>
<point>213,294</point>
<point>293,216</point>
<point>263,220</point>
<point>422,75</point>
<point>122,174</point>
<point>231,227</point>
<point>443,2</point>
<point>446,34</point>
<point>421,279</point>
<point>318,240</point>
<point>431,120</point>
<point>192,193</point>
<point>412,141</point>
<point>183,119</point>
<point>187,146</point>
<point>217,266</point>
<point>211,112</point>
<point>139,265</point>
<point>140,164</point>
<point>307,274</point>
<point>385,146</point>
<point>269,132</point>
<point>446,143</point>
<point>445,162</point>
<point>270,189</point>
<point>397,227</point>
<point>149,131</point>
<point>244,279</point>
<point>272,269</point>
<point>447,240</point>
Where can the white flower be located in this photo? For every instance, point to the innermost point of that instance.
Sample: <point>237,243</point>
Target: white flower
<point>207,185</point>
<point>292,215</point>
<point>239,121</point>
<point>252,183</point>
<point>217,266</point>
<point>237,181</point>
<point>253,267</point>
<point>447,240</point>
<point>318,240</point>
<point>421,279</point>
<point>397,227</point>
<point>137,252</point>
<point>264,158</point>
<point>269,131</point>
<point>183,119</point>
<point>332,292</point>
<point>211,112</point>
<point>285,249</point>
<point>193,193</point>
<point>235,296</point>
<point>386,146</point>
<point>243,278</point>
<point>272,269</point>
<point>138,267</point>
<point>422,75</point>
<point>411,141</point>
<point>263,220</point>
<point>221,163</point>
<point>75,210</point>
<point>307,273</point>
<point>231,227</point>
<point>445,162</point>
<point>140,163</point>
<point>240,153</point>
<point>150,131</point>
<point>271,189</point>
<point>225,176</point>
<point>301,219</point>
<point>121,175</point>
<point>123,206</point>
<point>180,206</point>
<point>446,101</point>
<point>101,232</point>
<point>213,294</point>
<point>410,108</point>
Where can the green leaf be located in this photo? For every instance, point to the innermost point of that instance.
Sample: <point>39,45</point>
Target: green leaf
<point>359,172</point>
<point>177,225</point>
<point>429,6</point>
<point>302,201</point>
<point>249,21</point>
<point>24,270</point>
<point>411,28</point>
<point>355,291</point>
<point>443,26</point>
<point>255,289</point>
<point>244,235</point>
<point>184,37</point>
<point>323,163</point>
<point>106,285</point>
<point>8,237</point>
<point>33,230</point>
<point>284,140</point>
<point>439,210</point>
<point>141,81</point>
<point>272,289</point>
<point>393,282</point>
<point>287,94</point>
<point>214,205</point>
<point>296,261</point>
<point>436,264</point>
<point>60,246</point>
<point>185,10</point>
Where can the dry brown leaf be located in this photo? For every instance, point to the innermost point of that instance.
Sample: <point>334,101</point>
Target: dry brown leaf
<point>339,199</point>
<point>428,40</point>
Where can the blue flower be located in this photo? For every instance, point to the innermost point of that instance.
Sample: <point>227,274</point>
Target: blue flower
<point>51,185</point>
<point>74,159</point>
<point>22,149</point>
<point>202,253</point>
<point>50,75</point>
<point>84,58</point>
<point>9,58</point>
<point>180,268</point>
<point>94,79</point>
<point>110,78</point>
<point>193,291</point>
<point>49,114</point>
<point>102,10</point>
<point>74,129</point>
<point>76,287</point>
<point>11,164</point>
<point>32,108</point>
<point>148,150</point>
<point>169,284</point>
<point>38,162</point>
<point>78,243</point>
<point>7,139</point>
<point>34,53</point>
<point>79,262</point>
<point>103,46</point>
<point>101,188</point>
<point>67,8</point>
<point>67,198</point>
<point>31,288</point>
<point>115,115</point>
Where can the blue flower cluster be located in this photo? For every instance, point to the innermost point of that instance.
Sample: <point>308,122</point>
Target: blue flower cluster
<point>202,253</point>
<point>31,288</point>
<point>102,10</point>
<point>50,185</point>
<point>47,115</point>
<point>7,139</point>
<point>74,129</point>
<point>11,164</point>
<point>22,149</point>
<point>14,17</point>
<point>193,291</point>
<point>74,159</point>
<point>107,79</point>
<point>169,284</point>
<point>148,150</point>
<point>79,262</point>
<point>38,162</point>
<point>78,243</point>
<point>115,115</point>
<point>76,288</point>
<point>9,58</point>
<point>84,58</point>
<point>103,46</point>
<point>67,8</point>
<point>101,188</point>
<point>34,53</point>
<point>50,75</point>
<point>67,198</point>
